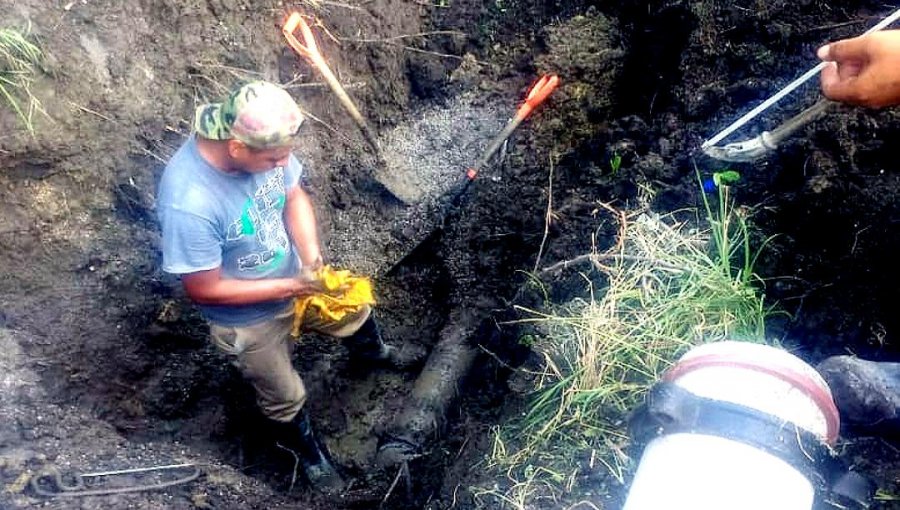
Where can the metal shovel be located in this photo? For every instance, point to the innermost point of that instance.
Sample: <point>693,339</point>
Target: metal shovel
<point>414,230</point>
<point>536,95</point>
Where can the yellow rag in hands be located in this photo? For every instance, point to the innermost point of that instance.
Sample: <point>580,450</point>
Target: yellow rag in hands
<point>345,294</point>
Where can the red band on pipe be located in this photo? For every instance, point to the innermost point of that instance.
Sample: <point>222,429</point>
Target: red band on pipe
<point>803,383</point>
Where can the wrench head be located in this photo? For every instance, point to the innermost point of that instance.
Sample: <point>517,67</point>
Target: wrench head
<point>746,151</point>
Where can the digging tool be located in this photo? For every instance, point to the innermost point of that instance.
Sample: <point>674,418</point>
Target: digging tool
<point>536,95</point>
<point>755,148</point>
<point>310,51</point>
<point>49,482</point>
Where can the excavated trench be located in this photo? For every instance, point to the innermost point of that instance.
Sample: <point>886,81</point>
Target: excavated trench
<point>109,366</point>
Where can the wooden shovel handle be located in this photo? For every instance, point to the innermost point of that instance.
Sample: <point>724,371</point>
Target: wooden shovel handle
<point>290,26</point>
<point>310,51</point>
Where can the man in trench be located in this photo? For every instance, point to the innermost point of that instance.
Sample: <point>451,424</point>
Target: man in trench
<point>238,226</point>
<point>864,71</point>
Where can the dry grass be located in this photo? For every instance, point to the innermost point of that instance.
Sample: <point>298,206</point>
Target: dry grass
<point>668,288</point>
<point>19,59</point>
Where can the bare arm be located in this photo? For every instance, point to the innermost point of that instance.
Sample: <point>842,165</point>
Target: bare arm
<point>300,220</point>
<point>209,288</point>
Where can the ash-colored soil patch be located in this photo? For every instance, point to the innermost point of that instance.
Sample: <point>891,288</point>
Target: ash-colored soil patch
<point>425,158</point>
<point>427,155</point>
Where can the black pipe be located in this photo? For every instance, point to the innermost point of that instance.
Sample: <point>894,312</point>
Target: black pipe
<point>425,411</point>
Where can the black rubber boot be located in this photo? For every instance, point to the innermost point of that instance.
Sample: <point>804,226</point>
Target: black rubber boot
<point>298,436</point>
<point>368,347</point>
<point>867,393</point>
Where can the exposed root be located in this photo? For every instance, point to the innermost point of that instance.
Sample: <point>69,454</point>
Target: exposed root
<point>548,217</point>
<point>296,465</point>
<point>406,36</point>
<point>392,487</point>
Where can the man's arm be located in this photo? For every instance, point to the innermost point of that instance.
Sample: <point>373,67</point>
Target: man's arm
<point>209,288</point>
<point>300,220</point>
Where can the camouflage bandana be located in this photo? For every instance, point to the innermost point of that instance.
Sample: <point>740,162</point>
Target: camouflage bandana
<point>260,114</point>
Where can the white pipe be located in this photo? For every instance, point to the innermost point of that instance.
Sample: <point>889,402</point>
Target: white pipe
<point>700,471</point>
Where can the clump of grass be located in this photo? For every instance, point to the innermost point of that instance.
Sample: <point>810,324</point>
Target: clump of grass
<point>19,59</point>
<point>668,287</point>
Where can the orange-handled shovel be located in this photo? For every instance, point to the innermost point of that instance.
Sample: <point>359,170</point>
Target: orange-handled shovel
<point>310,51</point>
<point>412,232</point>
<point>536,95</point>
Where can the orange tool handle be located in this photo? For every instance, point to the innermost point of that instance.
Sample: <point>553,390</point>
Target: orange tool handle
<point>537,95</point>
<point>310,50</point>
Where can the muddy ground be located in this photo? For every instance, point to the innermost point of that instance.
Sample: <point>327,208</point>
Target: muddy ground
<point>105,364</point>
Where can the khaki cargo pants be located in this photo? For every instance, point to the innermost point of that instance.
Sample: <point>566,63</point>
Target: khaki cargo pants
<point>262,352</point>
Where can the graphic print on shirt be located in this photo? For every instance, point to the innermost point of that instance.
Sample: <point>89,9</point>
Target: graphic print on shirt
<point>262,218</point>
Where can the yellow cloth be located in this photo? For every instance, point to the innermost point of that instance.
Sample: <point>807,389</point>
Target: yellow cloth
<point>345,294</point>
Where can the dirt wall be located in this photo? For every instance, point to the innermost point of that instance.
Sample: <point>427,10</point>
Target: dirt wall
<point>98,328</point>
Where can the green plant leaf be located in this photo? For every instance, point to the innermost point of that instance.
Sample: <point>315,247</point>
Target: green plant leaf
<point>726,177</point>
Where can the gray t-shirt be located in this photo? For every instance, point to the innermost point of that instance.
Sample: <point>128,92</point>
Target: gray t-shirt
<point>211,219</point>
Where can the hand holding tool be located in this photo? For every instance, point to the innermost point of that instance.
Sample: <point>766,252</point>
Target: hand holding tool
<point>750,150</point>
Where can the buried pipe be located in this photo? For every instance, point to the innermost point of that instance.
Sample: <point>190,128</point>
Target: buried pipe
<point>437,387</point>
<point>741,426</point>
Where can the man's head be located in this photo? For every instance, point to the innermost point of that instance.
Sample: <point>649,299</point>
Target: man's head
<point>256,124</point>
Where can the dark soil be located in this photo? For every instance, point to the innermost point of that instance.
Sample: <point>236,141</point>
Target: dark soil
<point>106,365</point>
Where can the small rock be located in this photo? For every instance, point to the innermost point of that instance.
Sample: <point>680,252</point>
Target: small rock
<point>867,393</point>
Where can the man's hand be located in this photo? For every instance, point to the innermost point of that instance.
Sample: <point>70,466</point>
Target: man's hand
<point>864,70</point>
<point>303,287</point>
<point>308,271</point>
<point>311,274</point>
